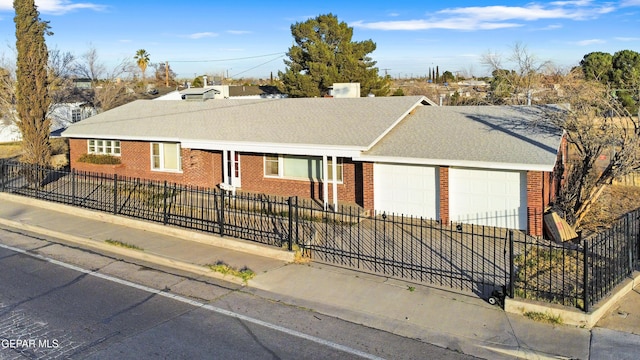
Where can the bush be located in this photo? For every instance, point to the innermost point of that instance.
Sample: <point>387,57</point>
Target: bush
<point>99,159</point>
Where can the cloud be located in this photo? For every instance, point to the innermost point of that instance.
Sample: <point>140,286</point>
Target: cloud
<point>590,42</point>
<point>626,39</point>
<point>627,3</point>
<point>56,7</point>
<point>495,17</point>
<point>201,35</point>
<point>428,25</point>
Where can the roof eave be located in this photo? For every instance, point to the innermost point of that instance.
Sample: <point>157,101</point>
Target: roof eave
<point>457,163</point>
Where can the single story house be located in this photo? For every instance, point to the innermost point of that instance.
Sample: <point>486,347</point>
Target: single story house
<point>488,165</point>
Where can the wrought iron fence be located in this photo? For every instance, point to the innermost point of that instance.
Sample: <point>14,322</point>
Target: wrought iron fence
<point>461,256</point>
<point>580,273</point>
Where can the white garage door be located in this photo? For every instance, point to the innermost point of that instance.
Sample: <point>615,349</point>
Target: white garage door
<point>488,197</point>
<point>406,189</point>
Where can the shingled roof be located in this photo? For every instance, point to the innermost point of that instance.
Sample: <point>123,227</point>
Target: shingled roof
<point>506,137</point>
<point>347,124</point>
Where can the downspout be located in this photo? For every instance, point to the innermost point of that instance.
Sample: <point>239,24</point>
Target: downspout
<point>334,171</point>
<point>325,184</point>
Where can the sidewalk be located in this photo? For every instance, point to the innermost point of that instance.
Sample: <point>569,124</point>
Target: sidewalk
<point>453,320</point>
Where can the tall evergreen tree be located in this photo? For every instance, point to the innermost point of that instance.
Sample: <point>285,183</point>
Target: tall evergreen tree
<point>32,97</point>
<point>325,54</point>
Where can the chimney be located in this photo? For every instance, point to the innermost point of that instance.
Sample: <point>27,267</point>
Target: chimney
<point>204,80</point>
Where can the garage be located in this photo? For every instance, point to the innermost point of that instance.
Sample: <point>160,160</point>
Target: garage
<point>406,189</point>
<point>488,197</point>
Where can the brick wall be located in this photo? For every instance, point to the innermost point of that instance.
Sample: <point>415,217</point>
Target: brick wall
<point>536,184</point>
<point>356,187</point>
<point>204,168</point>
<point>444,193</point>
<point>197,165</point>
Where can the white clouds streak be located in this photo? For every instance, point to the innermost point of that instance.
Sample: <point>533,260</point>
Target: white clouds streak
<point>496,17</point>
<point>201,35</point>
<point>590,42</point>
<point>56,7</point>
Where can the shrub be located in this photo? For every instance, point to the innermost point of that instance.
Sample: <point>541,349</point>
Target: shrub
<point>99,159</point>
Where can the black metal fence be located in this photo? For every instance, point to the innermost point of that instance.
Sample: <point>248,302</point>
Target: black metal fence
<point>460,256</point>
<point>577,274</point>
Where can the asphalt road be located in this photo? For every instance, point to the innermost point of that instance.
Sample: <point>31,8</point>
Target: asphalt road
<point>58,301</point>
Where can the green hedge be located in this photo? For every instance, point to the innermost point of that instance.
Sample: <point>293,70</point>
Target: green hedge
<point>99,159</point>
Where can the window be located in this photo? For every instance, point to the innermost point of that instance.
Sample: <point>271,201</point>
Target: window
<point>166,157</point>
<point>76,115</point>
<point>271,166</point>
<point>104,147</point>
<point>299,167</point>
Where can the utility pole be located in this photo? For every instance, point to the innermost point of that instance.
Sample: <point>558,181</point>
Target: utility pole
<point>166,74</point>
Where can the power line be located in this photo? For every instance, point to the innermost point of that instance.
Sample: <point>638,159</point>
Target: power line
<point>231,59</point>
<point>257,66</point>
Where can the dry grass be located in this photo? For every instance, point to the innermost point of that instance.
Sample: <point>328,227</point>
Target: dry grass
<point>10,150</point>
<point>614,202</point>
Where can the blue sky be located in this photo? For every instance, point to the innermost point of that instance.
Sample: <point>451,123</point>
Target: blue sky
<point>250,38</point>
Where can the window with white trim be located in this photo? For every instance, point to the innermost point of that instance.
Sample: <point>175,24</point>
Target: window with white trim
<point>103,147</point>
<point>166,157</point>
<point>299,167</point>
<point>76,115</point>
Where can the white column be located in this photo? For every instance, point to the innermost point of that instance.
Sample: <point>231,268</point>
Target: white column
<point>325,181</point>
<point>334,171</point>
<point>225,168</point>
<point>232,167</point>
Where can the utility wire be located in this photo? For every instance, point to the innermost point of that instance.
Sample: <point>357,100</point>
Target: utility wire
<point>232,59</point>
<point>257,66</point>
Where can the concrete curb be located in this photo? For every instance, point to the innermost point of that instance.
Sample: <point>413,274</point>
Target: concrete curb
<point>190,235</point>
<point>575,316</point>
<point>130,253</point>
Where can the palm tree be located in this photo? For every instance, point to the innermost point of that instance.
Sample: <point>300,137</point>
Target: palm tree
<point>142,59</point>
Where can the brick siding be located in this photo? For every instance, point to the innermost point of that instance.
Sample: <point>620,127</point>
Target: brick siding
<point>537,182</point>
<point>444,193</point>
<point>204,168</point>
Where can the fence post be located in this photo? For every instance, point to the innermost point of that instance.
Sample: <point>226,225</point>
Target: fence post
<point>73,187</point>
<point>629,239</point>
<point>164,204</point>
<point>115,194</point>
<point>585,275</point>
<point>221,215</point>
<point>297,223</point>
<point>290,236</point>
<point>637,240</point>
<point>512,268</point>
<point>2,175</point>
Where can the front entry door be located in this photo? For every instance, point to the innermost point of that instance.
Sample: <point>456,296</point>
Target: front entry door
<point>232,168</point>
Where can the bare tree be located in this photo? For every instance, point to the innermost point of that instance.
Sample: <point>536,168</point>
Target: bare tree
<point>109,84</point>
<point>89,66</point>
<point>595,124</point>
<point>7,91</point>
<point>61,66</point>
<point>515,80</point>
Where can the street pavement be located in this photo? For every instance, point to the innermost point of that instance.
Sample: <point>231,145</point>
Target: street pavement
<point>457,321</point>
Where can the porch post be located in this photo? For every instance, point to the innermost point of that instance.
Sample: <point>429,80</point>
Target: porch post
<point>325,184</point>
<point>225,167</point>
<point>232,168</point>
<point>334,171</point>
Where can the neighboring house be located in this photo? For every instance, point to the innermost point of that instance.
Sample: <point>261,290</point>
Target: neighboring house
<point>489,165</point>
<point>83,83</point>
<point>62,115</point>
